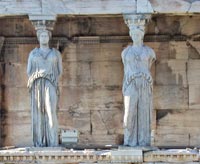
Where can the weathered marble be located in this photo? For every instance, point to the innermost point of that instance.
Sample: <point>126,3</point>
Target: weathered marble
<point>44,68</point>
<point>137,86</point>
<point>83,94</point>
<point>60,155</point>
<point>92,7</point>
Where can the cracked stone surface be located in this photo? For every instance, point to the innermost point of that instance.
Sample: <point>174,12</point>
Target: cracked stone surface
<point>175,6</point>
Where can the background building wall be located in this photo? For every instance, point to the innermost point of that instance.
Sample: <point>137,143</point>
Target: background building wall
<point>90,87</point>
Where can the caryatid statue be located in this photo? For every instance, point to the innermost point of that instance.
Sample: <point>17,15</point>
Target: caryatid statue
<point>44,69</point>
<point>137,85</point>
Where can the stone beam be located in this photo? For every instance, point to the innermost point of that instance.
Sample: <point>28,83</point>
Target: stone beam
<point>66,7</point>
<point>131,155</point>
<point>97,7</point>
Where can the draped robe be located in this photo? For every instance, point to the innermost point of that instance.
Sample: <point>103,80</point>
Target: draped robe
<point>137,91</point>
<point>43,71</point>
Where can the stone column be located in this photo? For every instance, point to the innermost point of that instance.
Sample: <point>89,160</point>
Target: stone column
<point>137,85</point>
<point>44,67</point>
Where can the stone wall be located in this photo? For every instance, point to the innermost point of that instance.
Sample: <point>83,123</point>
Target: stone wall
<point>90,87</point>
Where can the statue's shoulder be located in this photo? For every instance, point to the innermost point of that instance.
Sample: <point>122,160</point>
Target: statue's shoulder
<point>126,50</point>
<point>151,52</point>
<point>34,52</point>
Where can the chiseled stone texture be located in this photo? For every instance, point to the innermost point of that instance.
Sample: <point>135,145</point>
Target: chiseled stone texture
<point>92,7</point>
<point>78,7</point>
<point>90,88</point>
<point>90,100</point>
<point>175,6</point>
<point>177,128</point>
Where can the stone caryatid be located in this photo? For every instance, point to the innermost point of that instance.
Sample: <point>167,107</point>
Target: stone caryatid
<point>44,68</point>
<point>137,84</point>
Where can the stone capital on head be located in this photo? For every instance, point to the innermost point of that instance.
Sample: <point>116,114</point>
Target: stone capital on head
<point>136,21</point>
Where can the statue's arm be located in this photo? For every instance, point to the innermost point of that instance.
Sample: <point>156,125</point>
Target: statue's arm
<point>125,82</point>
<point>29,66</point>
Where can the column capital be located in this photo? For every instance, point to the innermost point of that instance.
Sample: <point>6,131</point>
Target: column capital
<point>136,20</point>
<point>43,21</point>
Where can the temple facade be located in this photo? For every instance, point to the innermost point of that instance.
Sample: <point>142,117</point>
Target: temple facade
<point>91,36</point>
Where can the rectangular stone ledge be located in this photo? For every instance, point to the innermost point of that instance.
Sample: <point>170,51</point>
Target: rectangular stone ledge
<point>62,155</point>
<point>49,155</point>
<point>171,156</point>
<point>10,41</point>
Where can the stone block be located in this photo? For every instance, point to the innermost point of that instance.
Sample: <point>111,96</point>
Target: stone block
<point>170,97</point>
<point>194,97</point>
<point>110,52</point>
<point>88,52</point>
<point>15,75</point>
<point>70,53</point>
<point>16,27</point>
<point>99,140</point>
<point>18,135</point>
<point>104,139</point>
<point>23,52</point>
<point>18,53</point>
<point>107,74</point>
<point>74,119</point>
<point>18,117</point>
<point>193,50</point>
<point>193,72</point>
<point>71,98</point>
<point>194,138</point>
<point>170,6</point>
<point>76,74</point>
<point>17,99</point>
<point>177,128</point>
<point>162,49</point>
<point>194,7</point>
<point>182,156</point>
<point>144,6</point>
<point>171,72</point>
<point>90,99</point>
<point>178,50</point>
<point>92,52</point>
<point>107,122</point>
<point>1,97</point>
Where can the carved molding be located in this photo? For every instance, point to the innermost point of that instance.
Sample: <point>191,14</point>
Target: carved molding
<point>174,155</point>
<point>43,156</point>
<point>92,156</point>
<point>95,39</point>
<point>33,40</point>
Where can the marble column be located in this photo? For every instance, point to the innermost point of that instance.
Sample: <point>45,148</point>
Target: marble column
<point>137,84</point>
<point>44,69</point>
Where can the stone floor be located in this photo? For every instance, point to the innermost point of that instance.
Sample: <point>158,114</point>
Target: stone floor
<point>119,155</point>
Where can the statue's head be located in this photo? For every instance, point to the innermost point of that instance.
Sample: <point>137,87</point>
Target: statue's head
<point>43,36</point>
<point>136,33</point>
<point>136,24</point>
